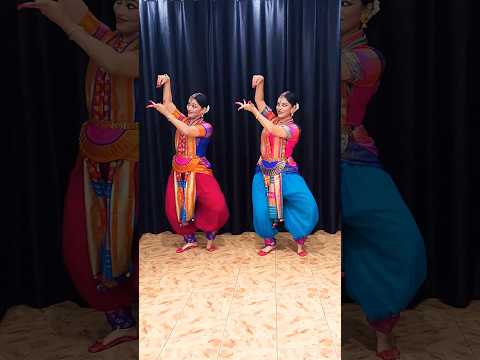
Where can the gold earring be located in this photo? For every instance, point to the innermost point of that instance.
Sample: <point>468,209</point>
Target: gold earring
<point>364,20</point>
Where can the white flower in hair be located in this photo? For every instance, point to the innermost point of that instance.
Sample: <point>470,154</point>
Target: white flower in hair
<point>208,109</point>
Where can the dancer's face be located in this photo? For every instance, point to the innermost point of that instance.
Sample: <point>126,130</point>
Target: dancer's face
<point>194,109</point>
<point>284,108</point>
<point>351,14</point>
<point>127,17</point>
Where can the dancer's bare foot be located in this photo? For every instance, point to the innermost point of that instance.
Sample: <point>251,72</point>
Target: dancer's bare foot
<point>210,246</point>
<point>301,251</point>
<point>267,249</point>
<point>186,247</point>
<point>386,346</point>
<point>114,338</point>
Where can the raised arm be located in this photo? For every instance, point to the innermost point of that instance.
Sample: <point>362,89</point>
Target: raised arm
<point>75,9</point>
<point>268,125</point>
<point>164,80</point>
<point>116,63</point>
<point>125,63</point>
<point>258,83</point>
<point>175,119</point>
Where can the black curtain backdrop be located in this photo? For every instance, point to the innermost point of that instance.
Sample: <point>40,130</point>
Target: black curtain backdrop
<point>423,119</point>
<point>215,47</point>
<point>44,110</point>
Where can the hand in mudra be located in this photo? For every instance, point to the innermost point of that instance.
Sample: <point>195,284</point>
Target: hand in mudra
<point>257,79</point>
<point>246,105</point>
<point>162,80</point>
<point>161,108</point>
<point>53,10</point>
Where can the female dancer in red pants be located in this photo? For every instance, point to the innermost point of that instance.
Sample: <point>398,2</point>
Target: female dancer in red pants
<point>99,246</point>
<point>194,200</point>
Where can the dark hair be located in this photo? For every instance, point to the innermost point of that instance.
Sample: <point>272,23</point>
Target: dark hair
<point>291,97</point>
<point>366,2</point>
<point>201,99</point>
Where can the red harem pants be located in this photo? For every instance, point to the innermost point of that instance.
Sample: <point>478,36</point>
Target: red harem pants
<point>211,211</point>
<point>77,258</point>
